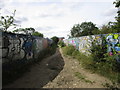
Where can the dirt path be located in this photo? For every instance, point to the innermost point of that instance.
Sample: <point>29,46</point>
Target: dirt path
<point>41,73</point>
<point>74,76</point>
<point>59,71</point>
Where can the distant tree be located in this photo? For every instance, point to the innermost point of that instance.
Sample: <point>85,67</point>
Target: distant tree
<point>55,39</point>
<point>7,21</point>
<point>86,28</point>
<point>76,30</point>
<point>69,36</point>
<point>18,30</point>
<point>25,30</point>
<point>29,30</point>
<point>37,34</point>
<point>104,29</point>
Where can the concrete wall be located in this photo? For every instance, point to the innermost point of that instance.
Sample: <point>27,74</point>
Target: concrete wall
<point>18,46</point>
<point>83,43</point>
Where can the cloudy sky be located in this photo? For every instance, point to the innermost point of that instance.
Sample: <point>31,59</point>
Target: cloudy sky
<point>57,17</point>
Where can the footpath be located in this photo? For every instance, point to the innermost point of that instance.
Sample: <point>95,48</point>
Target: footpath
<point>74,75</point>
<point>59,71</point>
<point>40,73</point>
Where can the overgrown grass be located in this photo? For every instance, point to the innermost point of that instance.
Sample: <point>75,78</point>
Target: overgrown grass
<point>71,51</point>
<point>102,64</point>
<point>13,70</point>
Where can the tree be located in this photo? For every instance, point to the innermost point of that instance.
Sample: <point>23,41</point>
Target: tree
<point>29,30</point>
<point>37,34</point>
<point>55,39</point>
<point>117,5</point>
<point>105,29</point>
<point>7,21</point>
<point>76,30</point>
<point>86,28</point>
<point>25,30</point>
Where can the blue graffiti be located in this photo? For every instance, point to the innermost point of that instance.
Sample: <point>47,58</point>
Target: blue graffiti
<point>27,46</point>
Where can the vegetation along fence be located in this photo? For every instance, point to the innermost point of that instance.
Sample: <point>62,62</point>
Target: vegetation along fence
<point>84,43</point>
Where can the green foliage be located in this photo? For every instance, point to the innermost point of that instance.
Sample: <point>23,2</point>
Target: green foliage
<point>76,30</point>
<point>111,27</point>
<point>117,24</point>
<point>37,34</point>
<point>104,64</point>
<point>7,21</point>
<point>29,31</point>
<point>117,3</point>
<point>98,51</point>
<point>83,78</point>
<point>61,43</point>
<point>68,50</point>
<point>86,28</point>
<point>25,30</point>
<point>99,61</point>
<point>55,39</point>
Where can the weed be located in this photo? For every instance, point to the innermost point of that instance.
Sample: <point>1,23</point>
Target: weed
<point>68,50</point>
<point>83,78</point>
<point>61,44</point>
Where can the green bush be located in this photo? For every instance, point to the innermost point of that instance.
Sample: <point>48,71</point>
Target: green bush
<point>61,43</point>
<point>68,50</point>
<point>84,60</point>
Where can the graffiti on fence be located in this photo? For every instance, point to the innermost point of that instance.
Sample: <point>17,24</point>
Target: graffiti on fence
<point>18,46</point>
<point>84,43</point>
<point>113,45</point>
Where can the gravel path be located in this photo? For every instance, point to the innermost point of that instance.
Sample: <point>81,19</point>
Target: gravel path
<point>74,76</point>
<point>59,71</point>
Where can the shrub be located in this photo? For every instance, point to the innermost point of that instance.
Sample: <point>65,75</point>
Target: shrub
<point>68,50</point>
<point>61,43</point>
<point>103,63</point>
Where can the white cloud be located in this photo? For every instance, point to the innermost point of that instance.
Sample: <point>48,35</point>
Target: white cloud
<point>56,17</point>
<point>110,12</point>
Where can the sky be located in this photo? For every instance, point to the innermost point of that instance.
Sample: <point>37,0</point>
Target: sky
<point>57,17</point>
